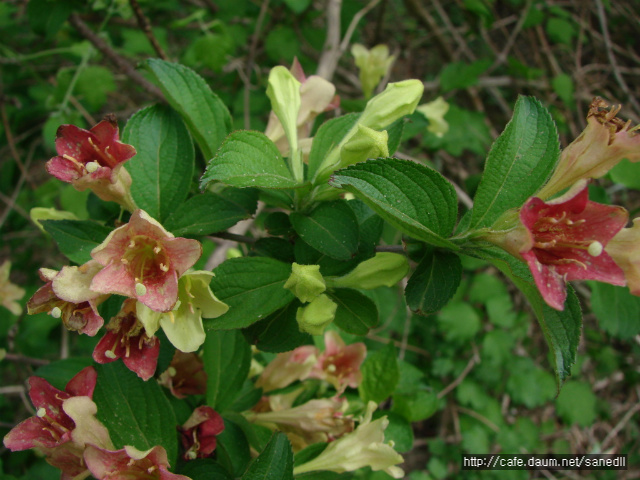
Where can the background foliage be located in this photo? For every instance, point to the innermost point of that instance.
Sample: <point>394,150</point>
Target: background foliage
<point>474,377</point>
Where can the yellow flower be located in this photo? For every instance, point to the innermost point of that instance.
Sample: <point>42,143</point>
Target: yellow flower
<point>9,293</point>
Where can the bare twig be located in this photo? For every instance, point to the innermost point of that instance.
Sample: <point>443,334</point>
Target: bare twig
<point>250,61</point>
<point>390,248</point>
<point>334,48</point>
<point>620,425</point>
<point>422,14</point>
<point>398,344</point>
<point>479,417</point>
<point>120,62</point>
<point>501,57</point>
<point>12,390</point>
<point>234,237</point>
<point>612,58</point>
<point>354,23</point>
<point>11,141</point>
<point>16,357</point>
<point>83,111</point>
<point>11,203</point>
<point>472,362</point>
<point>144,24</point>
<point>330,51</point>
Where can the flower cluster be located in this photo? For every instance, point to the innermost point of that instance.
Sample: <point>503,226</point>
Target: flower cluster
<point>570,237</point>
<point>317,420</point>
<point>66,431</point>
<point>323,419</point>
<point>139,260</point>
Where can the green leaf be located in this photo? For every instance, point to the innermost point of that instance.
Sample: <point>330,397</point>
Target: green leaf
<point>76,238</point>
<point>561,30</point>
<point>458,75</point>
<point>227,358</point>
<point>205,115</point>
<point>416,407</point>
<point>93,85</point>
<point>204,469</point>
<point>459,322</point>
<point>434,282</point>
<point>467,131</point>
<point>626,173</point>
<point>253,287</point>
<point>616,309</point>
<point>561,329</point>
<point>413,198</point>
<point>576,404</point>
<point>134,411</point>
<point>297,6</point>
<point>380,374</point>
<point>210,50</point>
<point>356,312</point>
<point>328,137</point>
<point>331,228</point>
<point>518,164</point>
<point>398,431</point>
<point>163,168</point>
<point>524,374</point>
<point>275,462</point>
<point>232,449</point>
<point>59,372</point>
<point>274,247</point>
<point>46,17</point>
<point>248,159</point>
<point>563,85</point>
<point>279,332</point>
<point>282,44</point>
<point>205,214</point>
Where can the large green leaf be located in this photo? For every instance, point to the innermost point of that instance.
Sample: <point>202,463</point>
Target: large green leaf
<point>253,287</point>
<point>205,214</point>
<point>413,198</point>
<point>275,462</point>
<point>248,159</point>
<point>76,238</point>
<point>434,282</point>
<point>227,358</point>
<point>561,329</point>
<point>232,450</point>
<point>204,469</point>
<point>616,309</point>
<point>163,168</point>
<point>518,164</point>
<point>206,116</point>
<point>279,332</point>
<point>380,373</point>
<point>356,312</point>
<point>134,411</point>
<point>331,228</point>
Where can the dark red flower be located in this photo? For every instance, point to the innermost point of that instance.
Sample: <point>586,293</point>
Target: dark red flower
<point>63,425</point>
<point>185,375</point>
<point>564,239</point>
<point>67,296</point>
<point>93,159</point>
<point>127,339</point>
<point>198,434</point>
